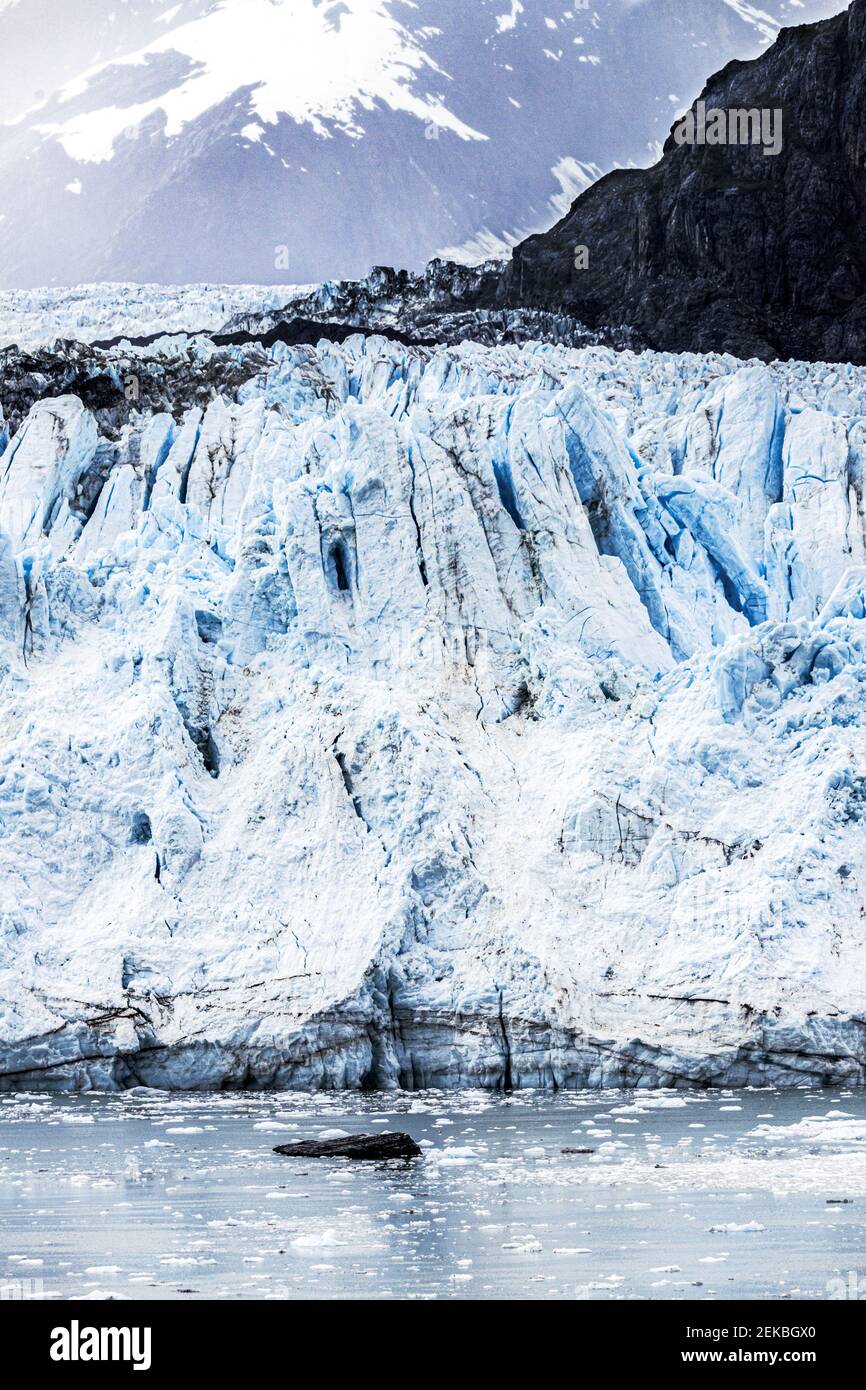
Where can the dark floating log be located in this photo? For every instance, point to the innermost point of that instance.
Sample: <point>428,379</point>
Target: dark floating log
<point>369,1146</point>
<point>578,1151</point>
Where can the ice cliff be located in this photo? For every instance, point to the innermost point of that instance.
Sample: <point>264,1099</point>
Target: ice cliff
<point>381,716</point>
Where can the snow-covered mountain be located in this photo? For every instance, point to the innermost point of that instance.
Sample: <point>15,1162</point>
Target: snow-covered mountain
<point>299,140</point>
<point>383,716</point>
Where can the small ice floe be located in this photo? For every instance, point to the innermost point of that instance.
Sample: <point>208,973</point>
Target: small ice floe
<point>537,1151</point>
<point>730,1228</point>
<point>713,1259</point>
<point>666,1269</point>
<point>103,1296</point>
<point>527,1245</point>
<point>133,1171</point>
<point>184,1129</point>
<point>333,1133</point>
<point>277,1127</point>
<point>816,1130</point>
<point>104,1271</point>
<point>185,1260</point>
<point>456,1156</point>
<point>317,1240</point>
<point>571,1250</point>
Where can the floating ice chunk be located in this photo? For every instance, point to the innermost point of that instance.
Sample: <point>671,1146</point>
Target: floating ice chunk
<point>316,1240</point>
<point>731,1228</point>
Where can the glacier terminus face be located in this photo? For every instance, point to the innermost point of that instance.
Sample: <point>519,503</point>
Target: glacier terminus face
<point>379,716</point>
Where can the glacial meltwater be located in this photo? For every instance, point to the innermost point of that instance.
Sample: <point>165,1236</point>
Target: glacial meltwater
<point>665,1194</point>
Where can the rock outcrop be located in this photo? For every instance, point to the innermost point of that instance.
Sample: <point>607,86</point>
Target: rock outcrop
<point>363,1146</point>
<point>723,247</point>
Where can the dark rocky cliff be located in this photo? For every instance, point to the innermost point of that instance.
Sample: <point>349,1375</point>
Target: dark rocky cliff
<point>724,247</point>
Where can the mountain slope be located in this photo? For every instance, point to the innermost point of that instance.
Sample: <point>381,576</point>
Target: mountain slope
<point>724,247</point>
<point>295,141</point>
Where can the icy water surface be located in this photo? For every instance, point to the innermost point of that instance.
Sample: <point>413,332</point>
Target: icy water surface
<point>687,1195</point>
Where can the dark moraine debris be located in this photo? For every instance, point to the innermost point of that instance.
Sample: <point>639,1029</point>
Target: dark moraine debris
<point>369,1146</point>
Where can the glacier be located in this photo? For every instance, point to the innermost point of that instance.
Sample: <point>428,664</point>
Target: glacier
<point>384,716</point>
<point>90,313</point>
